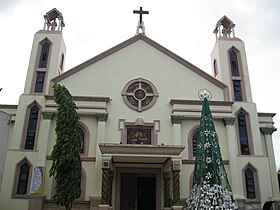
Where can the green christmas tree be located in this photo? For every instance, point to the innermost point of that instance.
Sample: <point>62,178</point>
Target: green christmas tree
<point>211,189</point>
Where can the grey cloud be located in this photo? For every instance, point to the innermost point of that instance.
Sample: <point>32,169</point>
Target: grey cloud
<point>6,4</point>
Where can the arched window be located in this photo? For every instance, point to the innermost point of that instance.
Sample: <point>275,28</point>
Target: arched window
<point>243,133</point>
<point>22,177</point>
<point>84,131</point>
<point>44,55</point>
<point>234,63</point>
<point>250,178</point>
<point>194,142</point>
<point>235,71</point>
<point>250,184</point>
<point>32,128</point>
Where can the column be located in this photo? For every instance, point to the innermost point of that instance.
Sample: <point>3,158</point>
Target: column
<point>167,198</point>
<point>267,131</point>
<point>107,181</point>
<point>176,121</point>
<point>233,151</point>
<point>176,166</point>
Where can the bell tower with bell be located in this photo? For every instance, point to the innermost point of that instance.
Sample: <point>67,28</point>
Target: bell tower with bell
<point>47,55</point>
<point>229,61</point>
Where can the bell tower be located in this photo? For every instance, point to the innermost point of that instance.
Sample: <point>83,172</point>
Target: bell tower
<point>47,55</point>
<point>229,61</point>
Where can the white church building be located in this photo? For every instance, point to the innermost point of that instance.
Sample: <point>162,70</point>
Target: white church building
<point>139,110</point>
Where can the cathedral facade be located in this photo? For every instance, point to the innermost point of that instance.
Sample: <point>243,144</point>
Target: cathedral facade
<point>139,108</point>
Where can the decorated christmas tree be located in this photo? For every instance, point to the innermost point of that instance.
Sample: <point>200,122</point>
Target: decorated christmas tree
<point>210,189</point>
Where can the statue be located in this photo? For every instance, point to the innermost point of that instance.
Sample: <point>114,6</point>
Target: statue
<point>53,21</point>
<point>52,24</point>
<point>226,32</point>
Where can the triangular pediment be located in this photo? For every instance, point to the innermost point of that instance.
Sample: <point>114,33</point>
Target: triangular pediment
<point>131,41</point>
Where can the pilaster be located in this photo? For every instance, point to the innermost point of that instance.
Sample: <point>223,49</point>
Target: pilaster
<point>44,137</point>
<point>267,131</point>
<point>176,121</point>
<point>102,118</point>
<point>233,151</point>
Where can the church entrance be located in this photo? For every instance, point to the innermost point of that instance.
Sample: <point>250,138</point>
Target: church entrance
<point>138,191</point>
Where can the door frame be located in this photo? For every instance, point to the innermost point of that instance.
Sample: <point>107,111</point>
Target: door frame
<point>155,171</point>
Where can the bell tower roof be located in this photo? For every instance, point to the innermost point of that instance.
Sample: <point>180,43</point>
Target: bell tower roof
<point>51,17</point>
<point>224,28</point>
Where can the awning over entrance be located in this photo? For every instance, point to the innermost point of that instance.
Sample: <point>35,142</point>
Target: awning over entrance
<point>135,153</point>
<point>141,149</point>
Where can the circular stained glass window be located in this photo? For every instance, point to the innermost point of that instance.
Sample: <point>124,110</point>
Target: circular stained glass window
<point>139,94</point>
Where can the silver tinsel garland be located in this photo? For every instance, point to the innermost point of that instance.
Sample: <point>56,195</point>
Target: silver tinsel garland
<point>208,197</point>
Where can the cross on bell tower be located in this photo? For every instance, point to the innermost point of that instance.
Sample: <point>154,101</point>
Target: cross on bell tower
<point>140,23</point>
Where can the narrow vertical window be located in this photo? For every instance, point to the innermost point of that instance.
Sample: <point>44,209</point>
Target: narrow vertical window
<point>44,55</point>
<point>215,68</point>
<point>234,63</point>
<point>250,184</point>
<point>237,90</point>
<point>62,62</point>
<point>243,134</point>
<point>194,142</point>
<point>39,84</point>
<point>23,179</point>
<point>32,127</point>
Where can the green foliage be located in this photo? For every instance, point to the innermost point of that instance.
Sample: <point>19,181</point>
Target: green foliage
<point>66,166</point>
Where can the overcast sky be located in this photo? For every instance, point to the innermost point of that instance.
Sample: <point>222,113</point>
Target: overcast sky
<point>184,27</point>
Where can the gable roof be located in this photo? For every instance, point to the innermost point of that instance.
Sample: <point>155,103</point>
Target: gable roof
<point>151,43</point>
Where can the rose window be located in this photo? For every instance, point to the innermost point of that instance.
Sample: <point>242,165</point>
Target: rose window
<point>139,94</point>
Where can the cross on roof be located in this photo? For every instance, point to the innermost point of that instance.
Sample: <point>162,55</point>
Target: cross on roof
<point>140,12</point>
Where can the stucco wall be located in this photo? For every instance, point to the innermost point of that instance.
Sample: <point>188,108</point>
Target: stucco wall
<point>5,125</point>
